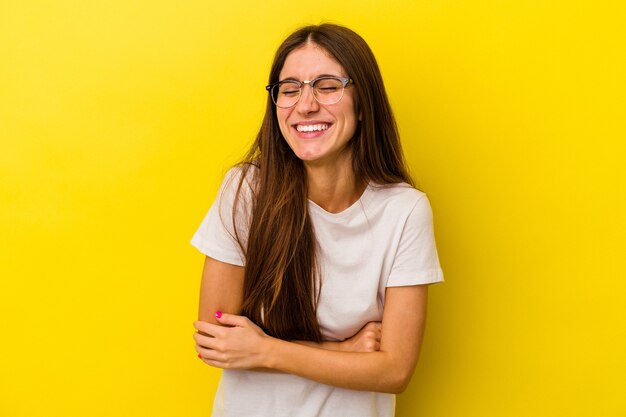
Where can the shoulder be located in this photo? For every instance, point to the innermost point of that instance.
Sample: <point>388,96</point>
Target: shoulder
<point>237,190</point>
<point>240,178</point>
<point>398,203</point>
<point>397,195</point>
<point>244,171</point>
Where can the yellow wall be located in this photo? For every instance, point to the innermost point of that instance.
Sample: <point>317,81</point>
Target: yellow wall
<point>118,118</point>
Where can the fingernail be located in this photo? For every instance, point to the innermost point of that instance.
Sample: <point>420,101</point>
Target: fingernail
<point>218,314</point>
<point>200,356</point>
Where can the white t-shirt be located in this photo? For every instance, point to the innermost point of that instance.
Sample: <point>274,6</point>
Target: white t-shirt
<point>385,239</point>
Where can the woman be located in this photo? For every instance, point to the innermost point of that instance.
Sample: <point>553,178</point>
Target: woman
<point>318,249</point>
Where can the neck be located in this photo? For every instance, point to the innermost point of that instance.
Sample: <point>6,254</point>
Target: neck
<point>333,187</point>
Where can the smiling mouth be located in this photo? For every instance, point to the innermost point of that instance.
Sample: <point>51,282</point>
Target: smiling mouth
<point>313,128</point>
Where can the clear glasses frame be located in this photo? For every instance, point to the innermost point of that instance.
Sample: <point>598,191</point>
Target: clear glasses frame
<point>273,89</point>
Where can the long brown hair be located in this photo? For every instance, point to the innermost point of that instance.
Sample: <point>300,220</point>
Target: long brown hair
<point>281,284</point>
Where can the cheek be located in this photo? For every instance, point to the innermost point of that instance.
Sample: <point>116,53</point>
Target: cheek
<point>282,122</point>
<point>351,120</point>
<point>352,116</point>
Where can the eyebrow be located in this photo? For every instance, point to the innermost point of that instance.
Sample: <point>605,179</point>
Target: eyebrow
<point>317,76</point>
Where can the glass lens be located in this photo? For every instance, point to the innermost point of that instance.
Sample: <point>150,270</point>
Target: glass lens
<point>328,90</point>
<point>286,94</point>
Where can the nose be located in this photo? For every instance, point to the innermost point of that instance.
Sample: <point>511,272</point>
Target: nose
<point>307,103</point>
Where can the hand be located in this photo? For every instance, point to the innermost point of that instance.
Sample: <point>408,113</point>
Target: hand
<point>365,340</point>
<point>240,345</point>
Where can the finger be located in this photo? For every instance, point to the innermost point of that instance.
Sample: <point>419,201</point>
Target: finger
<point>206,341</point>
<point>373,325</point>
<point>376,327</point>
<point>372,346</point>
<point>212,362</point>
<point>215,364</point>
<point>232,320</point>
<point>372,334</point>
<point>211,354</point>
<point>208,328</point>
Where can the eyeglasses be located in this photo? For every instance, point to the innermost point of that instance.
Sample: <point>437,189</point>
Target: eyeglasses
<point>326,90</point>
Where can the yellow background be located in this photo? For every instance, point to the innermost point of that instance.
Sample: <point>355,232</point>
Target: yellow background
<point>118,119</point>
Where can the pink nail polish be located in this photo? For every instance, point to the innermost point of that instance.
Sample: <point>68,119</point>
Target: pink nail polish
<point>218,314</point>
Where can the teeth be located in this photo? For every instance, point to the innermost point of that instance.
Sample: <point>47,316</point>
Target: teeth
<point>311,128</point>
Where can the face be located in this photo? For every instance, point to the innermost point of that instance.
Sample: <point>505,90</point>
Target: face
<point>333,124</point>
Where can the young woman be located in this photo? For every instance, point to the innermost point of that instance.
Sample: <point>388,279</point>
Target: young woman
<point>313,295</point>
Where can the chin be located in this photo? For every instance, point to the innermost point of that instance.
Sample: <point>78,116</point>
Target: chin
<point>308,155</point>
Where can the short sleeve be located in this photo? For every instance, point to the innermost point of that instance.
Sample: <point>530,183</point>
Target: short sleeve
<point>218,234</point>
<point>416,261</point>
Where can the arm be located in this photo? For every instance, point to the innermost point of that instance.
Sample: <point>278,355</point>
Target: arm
<point>244,346</point>
<point>222,290</point>
<point>367,339</point>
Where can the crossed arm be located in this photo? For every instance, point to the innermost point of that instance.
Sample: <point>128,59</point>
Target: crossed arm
<point>234,342</point>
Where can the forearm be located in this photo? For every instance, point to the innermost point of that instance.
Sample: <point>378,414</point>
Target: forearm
<point>388,369</point>
<point>372,371</point>
<point>237,343</point>
<point>327,345</point>
<point>367,339</point>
